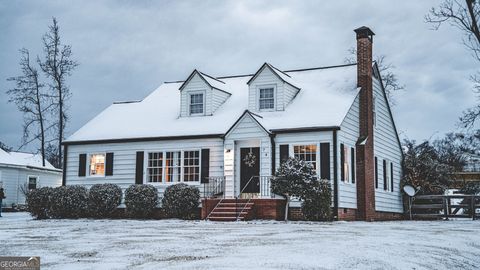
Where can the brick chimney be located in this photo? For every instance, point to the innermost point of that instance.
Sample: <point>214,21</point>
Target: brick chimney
<point>365,156</point>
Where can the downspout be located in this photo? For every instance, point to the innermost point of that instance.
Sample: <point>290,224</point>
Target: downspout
<point>64,176</point>
<point>335,177</point>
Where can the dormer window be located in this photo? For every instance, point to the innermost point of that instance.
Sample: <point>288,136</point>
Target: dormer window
<point>266,98</point>
<point>197,103</point>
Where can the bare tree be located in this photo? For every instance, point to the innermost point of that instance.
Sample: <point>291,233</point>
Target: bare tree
<point>389,78</point>
<point>465,16</point>
<point>57,66</point>
<point>30,99</point>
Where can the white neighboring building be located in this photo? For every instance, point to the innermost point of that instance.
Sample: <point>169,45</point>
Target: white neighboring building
<point>18,170</point>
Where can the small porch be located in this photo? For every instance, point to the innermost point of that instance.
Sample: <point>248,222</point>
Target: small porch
<point>253,201</point>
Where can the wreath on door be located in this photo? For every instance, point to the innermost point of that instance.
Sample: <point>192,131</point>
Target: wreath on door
<point>250,159</point>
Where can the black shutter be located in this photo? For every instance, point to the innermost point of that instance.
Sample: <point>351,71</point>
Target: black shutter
<point>82,165</point>
<point>391,175</point>
<point>283,153</point>
<point>376,172</point>
<point>109,164</point>
<point>139,168</point>
<point>325,161</point>
<point>384,174</point>
<point>205,173</point>
<point>342,162</point>
<point>353,164</point>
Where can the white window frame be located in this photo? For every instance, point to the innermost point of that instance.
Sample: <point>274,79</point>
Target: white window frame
<point>291,152</point>
<point>266,86</point>
<point>36,181</point>
<point>164,153</point>
<point>104,164</point>
<point>348,159</point>
<point>374,111</point>
<point>389,180</point>
<point>203,92</point>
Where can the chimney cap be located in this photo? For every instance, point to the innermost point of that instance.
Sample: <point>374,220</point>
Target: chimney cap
<point>364,32</point>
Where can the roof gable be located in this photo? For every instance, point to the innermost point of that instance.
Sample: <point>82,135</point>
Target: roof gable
<point>280,74</point>
<point>209,80</point>
<point>250,116</point>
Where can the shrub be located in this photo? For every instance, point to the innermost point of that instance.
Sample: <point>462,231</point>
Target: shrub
<point>68,202</point>
<point>38,202</point>
<point>293,179</point>
<point>181,201</point>
<point>317,201</point>
<point>103,199</point>
<point>141,200</point>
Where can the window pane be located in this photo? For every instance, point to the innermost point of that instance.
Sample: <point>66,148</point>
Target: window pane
<point>196,103</point>
<point>154,167</point>
<point>97,164</point>
<point>307,153</point>
<point>266,100</point>
<point>32,183</point>
<point>172,166</point>
<point>191,166</point>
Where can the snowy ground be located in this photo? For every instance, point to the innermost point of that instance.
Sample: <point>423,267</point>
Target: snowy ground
<point>173,244</point>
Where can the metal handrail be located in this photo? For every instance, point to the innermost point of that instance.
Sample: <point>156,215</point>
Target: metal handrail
<point>209,214</point>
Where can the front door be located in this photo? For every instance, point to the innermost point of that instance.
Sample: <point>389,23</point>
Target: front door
<point>249,167</point>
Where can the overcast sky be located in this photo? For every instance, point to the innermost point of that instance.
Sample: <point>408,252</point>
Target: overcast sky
<point>127,49</point>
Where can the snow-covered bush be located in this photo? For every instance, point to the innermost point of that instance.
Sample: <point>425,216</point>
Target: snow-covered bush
<point>317,200</point>
<point>181,201</point>
<point>68,202</point>
<point>38,202</point>
<point>141,200</point>
<point>103,199</point>
<point>292,179</point>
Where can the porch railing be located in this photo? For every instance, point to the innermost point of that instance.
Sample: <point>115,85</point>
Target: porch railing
<point>215,188</point>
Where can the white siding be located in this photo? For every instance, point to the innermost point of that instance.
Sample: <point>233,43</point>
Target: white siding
<point>246,133</point>
<point>266,78</point>
<point>194,85</point>
<point>348,135</point>
<point>218,98</point>
<point>386,146</point>
<point>289,93</point>
<point>14,178</point>
<point>124,160</point>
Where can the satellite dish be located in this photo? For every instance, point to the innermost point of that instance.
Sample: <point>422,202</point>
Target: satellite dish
<point>409,190</point>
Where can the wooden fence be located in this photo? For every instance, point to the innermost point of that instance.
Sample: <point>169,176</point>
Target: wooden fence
<point>445,206</point>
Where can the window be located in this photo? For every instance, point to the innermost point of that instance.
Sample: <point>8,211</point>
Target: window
<point>155,167</point>
<point>32,182</point>
<point>168,167</point>
<point>191,166</point>
<point>172,166</point>
<point>346,165</point>
<point>386,175</point>
<point>97,165</point>
<point>267,99</point>
<point>196,103</point>
<point>307,153</point>
<point>374,111</point>
<point>391,176</point>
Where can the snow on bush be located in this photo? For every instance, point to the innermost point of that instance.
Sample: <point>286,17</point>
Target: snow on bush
<point>317,201</point>
<point>68,202</point>
<point>297,178</point>
<point>181,201</point>
<point>38,202</point>
<point>103,199</point>
<point>141,200</point>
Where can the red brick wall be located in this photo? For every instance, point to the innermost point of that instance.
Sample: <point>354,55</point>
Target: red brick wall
<point>269,209</point>
<point>295,213</point>
<point>348,214</point>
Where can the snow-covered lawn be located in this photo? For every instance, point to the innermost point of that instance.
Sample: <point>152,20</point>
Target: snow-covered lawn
<point>174,244</point>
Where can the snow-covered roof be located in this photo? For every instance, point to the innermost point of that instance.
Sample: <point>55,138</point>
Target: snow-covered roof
<point>24,160</point>
<point>324,99</point>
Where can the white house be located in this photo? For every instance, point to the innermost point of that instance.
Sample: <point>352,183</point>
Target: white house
<point>239,128</point>
<point>20,172</point>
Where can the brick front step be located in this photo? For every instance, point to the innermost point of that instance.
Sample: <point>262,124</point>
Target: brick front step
<point>231,210</point>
